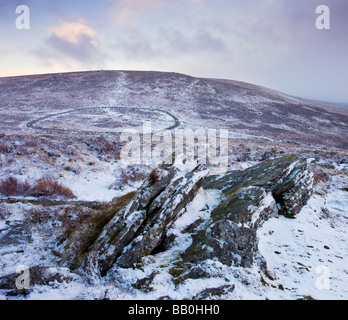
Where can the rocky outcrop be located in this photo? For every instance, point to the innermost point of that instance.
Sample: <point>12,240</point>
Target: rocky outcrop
<point>286,179</point>
<point>293,193</point>
<point>155,229</point>
<point>279,186</point>
<point>138,228</point>
<point>224,241</point>
<point>137,224</point>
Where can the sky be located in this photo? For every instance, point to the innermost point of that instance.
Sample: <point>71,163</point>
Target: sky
<point>273,43</point>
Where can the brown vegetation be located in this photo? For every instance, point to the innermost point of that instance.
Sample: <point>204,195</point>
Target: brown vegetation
<point>49,187</point>
<point>320,176</point>
<point>82,232</point>
<point>46,187</point>
<point>154,175</point>
<point>131,175</point>
<point>13,187</point>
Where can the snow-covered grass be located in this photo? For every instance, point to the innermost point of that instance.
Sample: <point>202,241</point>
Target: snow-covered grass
<point>89,167</point>
<point>96,184</point>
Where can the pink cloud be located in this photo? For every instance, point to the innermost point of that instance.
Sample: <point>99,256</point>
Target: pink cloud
<point>71,44</point>
<point>73,31</point>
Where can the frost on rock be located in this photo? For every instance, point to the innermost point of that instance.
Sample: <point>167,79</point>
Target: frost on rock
<point>156,227</point>
<point>121,230</point>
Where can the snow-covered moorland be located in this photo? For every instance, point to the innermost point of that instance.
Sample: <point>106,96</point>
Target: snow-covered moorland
<point>63,187</point>
<point>306,256</point>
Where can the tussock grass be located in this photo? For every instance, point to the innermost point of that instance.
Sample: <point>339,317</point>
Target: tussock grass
<point>47,187</point>
<point>83,232</point>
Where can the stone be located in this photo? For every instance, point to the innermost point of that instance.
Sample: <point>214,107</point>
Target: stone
<point>145,283</point>
<point>248,206</point>
<point>249,198</point>
<point>292,199</point>
<point>224,241</point>
<point>214,293</point>
<point>205,269</point>
<point>142,224</point>
<point>156,227</point>
<point>268,175</point>
<point>344,160</point>
<point>288,180</point>
<point>14,237</point>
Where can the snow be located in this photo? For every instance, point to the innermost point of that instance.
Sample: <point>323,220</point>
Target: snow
<point>193,212</point>
<point>301,251</point>
<point>296,252</point>
<point>306,257</point>
<point>267,202</point>
<point>93,186</point>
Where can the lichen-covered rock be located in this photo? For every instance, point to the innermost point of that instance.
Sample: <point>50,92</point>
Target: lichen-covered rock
<point>154,230</point>
<point>268,175</point>
<point>248,207</point>
<point>230,235</point>
<point>123,227</point>
<point>144,284</point>
<point>224,241</point>
<point>140,226</point>
<point>248,198</point>
<point>286,178</point>
<point>295,191</point>
<point>214,293</point>
<point>231,239</point>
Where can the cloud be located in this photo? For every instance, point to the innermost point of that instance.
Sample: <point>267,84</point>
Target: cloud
<point>167,43</point>
<point>73,44</point>
<point>179,42</point>
<point>270,42</point>
<point>149,30</point>
<point>72,31</point>
<point>76,40</point>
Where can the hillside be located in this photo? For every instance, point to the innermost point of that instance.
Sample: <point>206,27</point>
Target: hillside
<point>252,205</point>
<point>104,101</point>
